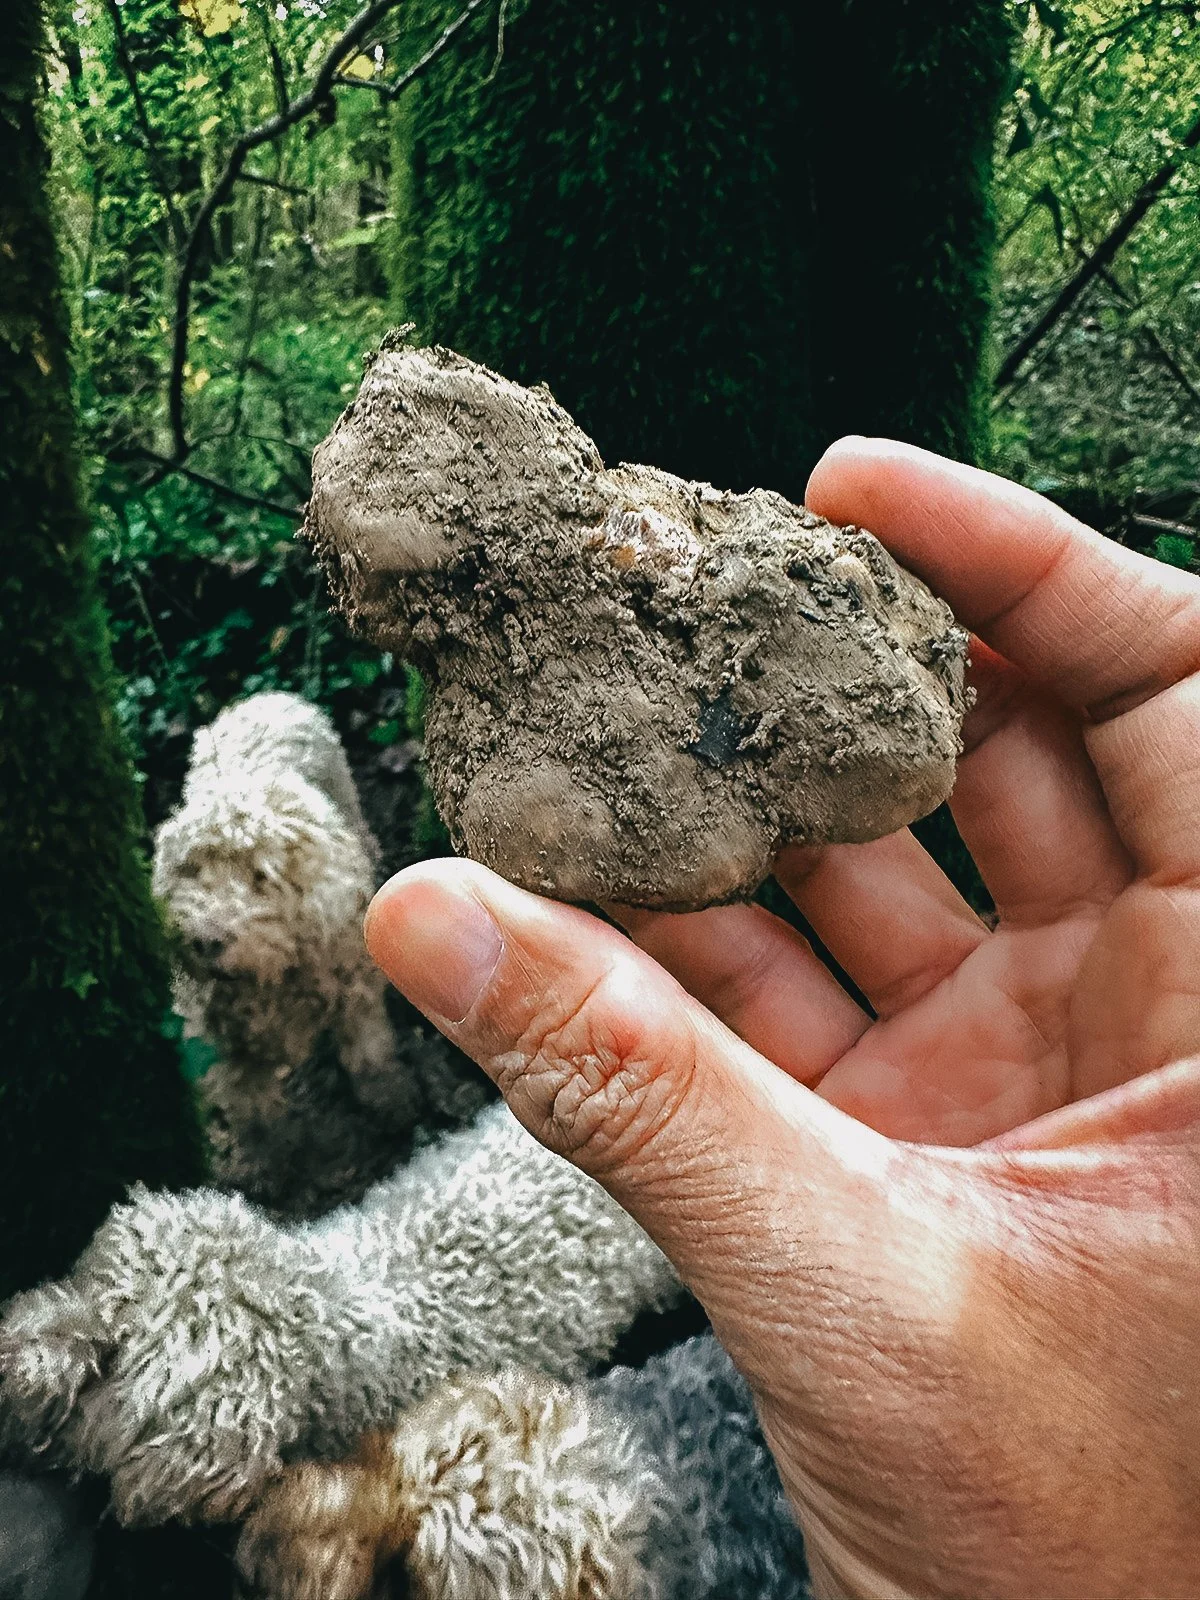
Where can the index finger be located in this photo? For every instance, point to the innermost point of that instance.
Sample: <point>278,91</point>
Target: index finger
<point>1101,626</point>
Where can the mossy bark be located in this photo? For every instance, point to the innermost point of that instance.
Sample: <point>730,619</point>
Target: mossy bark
<point>723,234</point>
<point>91,1095</point>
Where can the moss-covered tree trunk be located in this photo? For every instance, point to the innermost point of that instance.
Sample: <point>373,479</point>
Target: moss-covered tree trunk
<point>91,1096</point>
<point>615,211</point>
<point>724,234</point>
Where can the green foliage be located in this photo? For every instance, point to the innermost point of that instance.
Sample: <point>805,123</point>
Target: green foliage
<point>1105,415</point>
<point>660,211</point>
<point>208,594</point>
<point>91,1095</point>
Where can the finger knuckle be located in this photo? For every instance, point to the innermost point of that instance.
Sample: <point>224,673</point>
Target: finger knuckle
<point>598,1081</point>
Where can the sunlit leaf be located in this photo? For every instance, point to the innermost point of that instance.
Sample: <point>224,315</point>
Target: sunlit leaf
<point>212,16</point>
<point>359,66</point>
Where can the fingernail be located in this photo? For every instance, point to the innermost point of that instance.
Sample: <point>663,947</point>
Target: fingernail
<point>439,946</point>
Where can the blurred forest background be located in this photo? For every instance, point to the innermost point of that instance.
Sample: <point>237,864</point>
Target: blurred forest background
<point>200,406</point>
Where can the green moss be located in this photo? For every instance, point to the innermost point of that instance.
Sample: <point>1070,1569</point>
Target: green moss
<point>91,1094</point>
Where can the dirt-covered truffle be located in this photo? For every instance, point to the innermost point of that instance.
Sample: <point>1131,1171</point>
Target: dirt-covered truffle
<point>641,688</point>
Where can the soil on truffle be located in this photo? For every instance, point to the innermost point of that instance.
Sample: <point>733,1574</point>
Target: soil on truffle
<point>641,688</point>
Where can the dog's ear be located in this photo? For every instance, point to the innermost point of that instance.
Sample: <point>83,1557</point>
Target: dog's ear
<point>52,1346</point>
<point>324,1531</point>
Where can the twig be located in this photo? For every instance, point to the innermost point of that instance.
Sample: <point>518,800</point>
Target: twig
<point>318,93</point>
<point>500,19</point>
<point>1184,528</point>
<point>303,450</point>
<point>396,86</point>
<point>275,183</point>
<point>126,569</point>
<point>168,466</point>
<point>1099,259</point>
<point>1154,340</point>
<point>278,75</point>
<point>252,311</point>
<point>178,230</point>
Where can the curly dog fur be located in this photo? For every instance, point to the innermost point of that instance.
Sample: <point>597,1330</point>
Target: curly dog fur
<point>503,1486</point>
<point>265,872</point>
<point>650,1484</point>
<point>198,1344</point>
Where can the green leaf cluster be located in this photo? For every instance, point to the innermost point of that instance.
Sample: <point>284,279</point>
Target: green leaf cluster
<point>1105,415</point>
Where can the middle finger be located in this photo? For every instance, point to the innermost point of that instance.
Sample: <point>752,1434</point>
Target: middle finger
<point>1029,805</point>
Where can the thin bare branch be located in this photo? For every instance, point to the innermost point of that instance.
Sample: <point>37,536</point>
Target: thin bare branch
<point>318,93</point>
<point>1165,525</point>
<point>389,89</point>
<point>1153,339</point>
<point>275,183</point>
<point>167,466</point>
<point>501,16</point>
<point>1099,259</point>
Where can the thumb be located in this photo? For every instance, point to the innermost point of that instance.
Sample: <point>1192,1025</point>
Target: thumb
<point>749,1182</point>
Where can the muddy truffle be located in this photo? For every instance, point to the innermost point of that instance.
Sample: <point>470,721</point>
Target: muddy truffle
<point>641,688</point>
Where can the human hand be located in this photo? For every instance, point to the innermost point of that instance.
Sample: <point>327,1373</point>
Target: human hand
<point>975,1365</point>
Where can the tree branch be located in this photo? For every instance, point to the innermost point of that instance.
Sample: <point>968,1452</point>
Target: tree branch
<point>275,183</point>
<point>396,86</point>
<point>317,94</point>
<point>1154,341</point>
<point>1184,529</point>
<point>1099,259</point>
<point>168,466</point>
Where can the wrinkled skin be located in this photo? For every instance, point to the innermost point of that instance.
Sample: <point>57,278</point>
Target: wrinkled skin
<point>954,1245</point>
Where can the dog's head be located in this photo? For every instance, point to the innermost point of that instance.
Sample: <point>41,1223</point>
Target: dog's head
<point>260,878</point>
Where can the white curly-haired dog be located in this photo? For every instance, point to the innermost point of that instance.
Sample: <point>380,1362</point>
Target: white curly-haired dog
<point>265,872</point>
<point>198,1345</point>
<point>642,1484</point>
